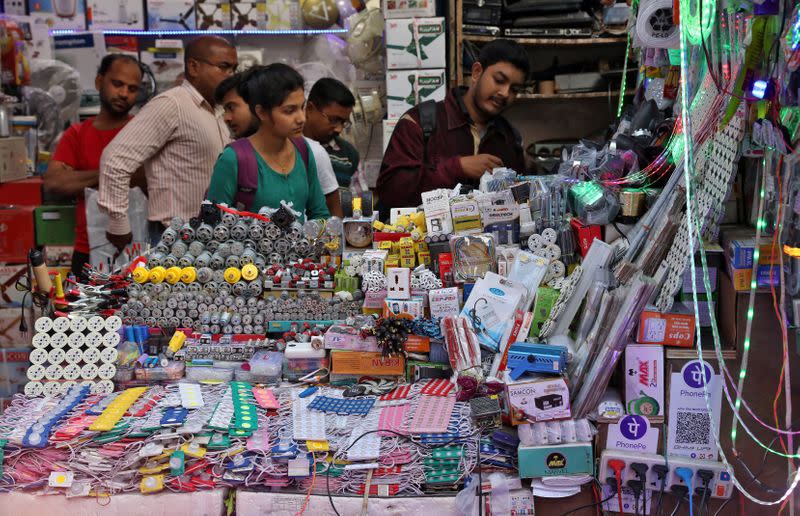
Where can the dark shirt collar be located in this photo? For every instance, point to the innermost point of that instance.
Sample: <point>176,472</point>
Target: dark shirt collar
<point>457,114</point>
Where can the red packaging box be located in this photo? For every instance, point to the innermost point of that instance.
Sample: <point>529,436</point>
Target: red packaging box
<point>25,191</point>
<point>584,235</point>
<point>17,235</point>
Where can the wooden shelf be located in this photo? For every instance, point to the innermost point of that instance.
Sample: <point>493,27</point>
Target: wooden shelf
<point>550,41</point>
<point>570,96</point>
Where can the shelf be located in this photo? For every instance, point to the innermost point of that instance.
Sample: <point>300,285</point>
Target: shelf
<point>550,41</point>
<point>231,32</point>
<point>569,96</point>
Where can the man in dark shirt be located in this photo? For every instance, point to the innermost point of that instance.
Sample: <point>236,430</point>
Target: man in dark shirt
<point>330,104</point>
<point>470,136</point>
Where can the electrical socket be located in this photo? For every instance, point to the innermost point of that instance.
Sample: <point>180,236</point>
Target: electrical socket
<point>721,484</point>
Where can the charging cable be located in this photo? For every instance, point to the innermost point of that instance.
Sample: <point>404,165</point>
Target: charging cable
<point>685,474</point>
<point>637,487</point>
<point>661,472</point>
<point>641,473</point>
<point>706,476</point>
<point>617,466</point>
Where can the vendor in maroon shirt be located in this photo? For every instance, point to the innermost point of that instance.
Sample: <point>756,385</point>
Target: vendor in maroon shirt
<point>470,136</point>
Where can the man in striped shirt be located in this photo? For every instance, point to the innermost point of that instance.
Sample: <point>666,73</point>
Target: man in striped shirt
<point>177,137</point>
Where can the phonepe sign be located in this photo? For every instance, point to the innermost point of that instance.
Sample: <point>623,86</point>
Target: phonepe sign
<point>696,374</point>
<point>633,433</point>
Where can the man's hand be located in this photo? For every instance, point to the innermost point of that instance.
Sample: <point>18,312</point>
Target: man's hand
<point>119,241</point>
<point>475,166</point>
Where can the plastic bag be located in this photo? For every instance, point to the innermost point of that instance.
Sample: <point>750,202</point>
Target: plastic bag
<point>101,250</point>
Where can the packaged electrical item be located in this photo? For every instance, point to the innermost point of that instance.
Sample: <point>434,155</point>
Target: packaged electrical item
<point>58,14</point>
<point>349,338</point>
<point>592,203</point>
<point>558,460</point>
<point>463,347</point>
<point>267,366</point>
<point>301,359</point>
<point>409,307</point>
<point>408,8</point>
<point>473,257</point>
<point>213,14</point>
<point>443,302</point>
<point>536,399</point>
<point>670,329</point>
<point>436,205</point>
<point>528,270</point>
<point>408,88</point>
<point>644,379</point>
<point>466,215</point>
<point>490,308</point>
<point>171,15</point>
<point>123,14</point>
<point>584,234</point>
<point>415,43</point>
<point>364,363</point>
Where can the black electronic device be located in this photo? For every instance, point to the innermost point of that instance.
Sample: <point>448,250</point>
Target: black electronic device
<point>549,32</point>
<point>482,30</point>
<point>482,12</point>
<point>549,401</point>
<point>527,7</point>
<point>570,19</point>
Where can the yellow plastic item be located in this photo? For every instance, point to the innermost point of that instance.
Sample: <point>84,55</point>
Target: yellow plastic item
<point>173,275</point>
<point>152,467</point>
<point>116,409</point>
<point>232,275</point>
<point>418,219</point>
<point>188,274</point>
<point>59,286</point>
<point>141,275</point>
<point>249,272</point>
<point>157,274</point>
<point>386,244</point>
<point>176,342</point>
<point>377,225</point>
<point>321,446</point>
<point>356,203</point>
<point>193,449</point>
<point>152,484</point>
<point>403,220</point>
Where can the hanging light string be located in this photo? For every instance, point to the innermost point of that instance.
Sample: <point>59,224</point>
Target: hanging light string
<point>692,226</point>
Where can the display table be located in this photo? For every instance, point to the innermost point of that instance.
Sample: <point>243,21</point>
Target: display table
<point>205,503</point>
<point>252,503</point>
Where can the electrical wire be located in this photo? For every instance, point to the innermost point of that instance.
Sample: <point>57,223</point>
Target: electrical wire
<point>677,506</point>
<point>310,487</point>
<point>398,434</point>
<point>589,505</point>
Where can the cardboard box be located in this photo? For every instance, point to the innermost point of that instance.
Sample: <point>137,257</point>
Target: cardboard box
<point>408,8</point>
<point>408,88</point>
<point>644,379</point>
<point>388,129</point>
<point>700,285</point>
<point>585,235</point>
<point>732,309</point>
<point>415,43</point>
<point>213,14</point>
<point>171,15</point>
<point>9,275</point>
<point>58,255</point>
<point>466,215</point>
<point>16,233</point>
<point>59,14</point>
<point>672,329</point>
<point>740,252</point>
<point>416,371</point>
<point>125,14</point>
<point>165,59</point>
<point>23,191</point>
<point>395,307</point>
<point>538,399</point>
<point>82,51</point>
<point>283,15</point>
<point>248,15</point>
<point>349,338</point>
<point>55,225</point>
<point>417,344</point>
<point>742,278</point>
<point>13,160</point>
<point>14,364</point>
<point>555,460</point>
<point>365,363</point>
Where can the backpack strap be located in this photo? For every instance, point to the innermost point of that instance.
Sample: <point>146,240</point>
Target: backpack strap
<point>427,122</point>
<point>247,181</point>
<point>302,147</point>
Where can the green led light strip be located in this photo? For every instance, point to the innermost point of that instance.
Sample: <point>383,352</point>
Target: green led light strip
<point>693,226</point>
<point>624,83</point>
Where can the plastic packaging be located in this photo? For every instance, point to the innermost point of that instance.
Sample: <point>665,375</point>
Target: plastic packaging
<point>528,270</point>
<point>267,364</point>
<point>473,256</point>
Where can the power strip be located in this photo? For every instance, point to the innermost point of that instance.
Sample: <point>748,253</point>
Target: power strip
<point>720,485</point>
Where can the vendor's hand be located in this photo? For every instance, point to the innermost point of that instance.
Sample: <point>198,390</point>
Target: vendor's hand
<point>475,166</point>
<point>119,241</point>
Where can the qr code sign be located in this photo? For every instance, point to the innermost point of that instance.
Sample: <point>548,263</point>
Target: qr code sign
<point>693,428</point>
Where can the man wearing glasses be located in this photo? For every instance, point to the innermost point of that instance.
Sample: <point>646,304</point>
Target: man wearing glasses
<point>330,104</point>
<point>176,137</point>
